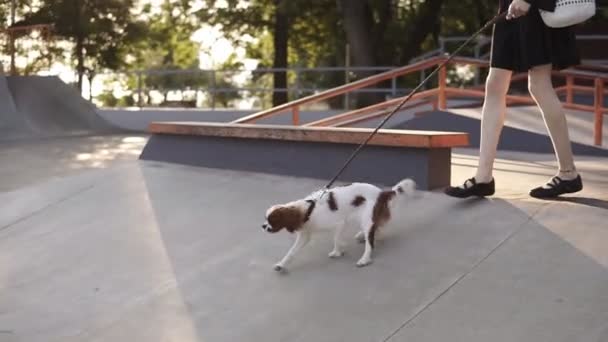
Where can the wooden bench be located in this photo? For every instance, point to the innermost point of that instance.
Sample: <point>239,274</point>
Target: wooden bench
<point>314,152</point>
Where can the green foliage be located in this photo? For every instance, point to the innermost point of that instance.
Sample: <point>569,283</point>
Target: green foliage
<point>315,37</point>
<point>223,79</point>
<point>100,30</point>
<point>168,41</point>
<point>21,7</point>
<point>168,50</point>
<point>112,35</point>
<point>108,99</point>
<point>317,33</point>
<point>23,43</point>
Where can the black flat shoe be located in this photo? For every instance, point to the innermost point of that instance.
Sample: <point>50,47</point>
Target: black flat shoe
<point>558,186</point>
<point>471,188</point>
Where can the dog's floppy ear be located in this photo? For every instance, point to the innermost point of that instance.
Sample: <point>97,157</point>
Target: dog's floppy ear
<point>288,217</point>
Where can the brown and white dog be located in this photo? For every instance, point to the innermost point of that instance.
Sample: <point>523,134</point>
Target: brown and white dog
<point>360,204</point>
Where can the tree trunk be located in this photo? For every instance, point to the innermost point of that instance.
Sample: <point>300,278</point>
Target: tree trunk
<point>80,58</point>
<point>359,28</point>
<point>281,37</point>
<point>426,21</point>
<point>12,38</point>
<point>365,35</point>
<point>79,44</point>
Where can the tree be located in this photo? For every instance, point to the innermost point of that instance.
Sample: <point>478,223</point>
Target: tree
<point>257,18</point>
<point>387,32</point>
<point>281,41</point>
<point>379,32</point>
<point>168,49</point>
<point>100,30</point>
<point>10,12</point>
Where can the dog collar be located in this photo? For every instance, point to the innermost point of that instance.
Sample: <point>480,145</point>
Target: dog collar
<point>311,207</point>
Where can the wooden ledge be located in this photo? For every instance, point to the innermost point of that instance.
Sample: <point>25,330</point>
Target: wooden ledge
<point>385,137</point>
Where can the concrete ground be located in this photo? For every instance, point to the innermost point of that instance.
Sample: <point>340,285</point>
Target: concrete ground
<point>34,161</point>
<point>99,248</point>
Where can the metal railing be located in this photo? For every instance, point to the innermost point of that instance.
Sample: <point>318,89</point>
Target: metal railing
<point>438,96</point>
<point>243,84</point>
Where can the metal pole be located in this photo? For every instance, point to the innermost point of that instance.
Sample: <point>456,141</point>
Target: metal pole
<point>422,77</point>
<point>346,75</point>
<point>569,90</point>
<point>297,85</point>
<point>477,53</point>
<point>442,102</point>
<point>599,114</point>
<point>198,88</point>
<point>140,101</point>
<point>213,89</point>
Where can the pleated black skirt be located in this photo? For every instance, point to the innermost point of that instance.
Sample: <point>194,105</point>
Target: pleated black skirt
<point>522,43</point>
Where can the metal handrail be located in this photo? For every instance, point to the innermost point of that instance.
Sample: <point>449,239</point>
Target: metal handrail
<point>295,105</point>
<point>443,92</point>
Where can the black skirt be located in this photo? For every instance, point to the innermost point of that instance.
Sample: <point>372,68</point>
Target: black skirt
<point>522,43</point>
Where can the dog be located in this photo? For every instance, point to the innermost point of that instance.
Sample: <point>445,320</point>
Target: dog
<point>362,205</point>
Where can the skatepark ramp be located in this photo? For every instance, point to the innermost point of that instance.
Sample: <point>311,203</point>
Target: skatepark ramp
<point>10,121</point>
<point>310,152</point>
<point>44,107</point>
<point>250,143</point>
<point>315,152</point>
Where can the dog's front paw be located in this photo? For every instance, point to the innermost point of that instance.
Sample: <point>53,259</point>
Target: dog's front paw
<point>336,254</point>
<point>363,262</point>
<point>279,268</point>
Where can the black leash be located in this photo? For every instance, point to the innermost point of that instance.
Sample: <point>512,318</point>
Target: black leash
<point>493,21</point>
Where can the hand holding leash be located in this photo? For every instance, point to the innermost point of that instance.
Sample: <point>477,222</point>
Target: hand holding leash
<point>517,9</point>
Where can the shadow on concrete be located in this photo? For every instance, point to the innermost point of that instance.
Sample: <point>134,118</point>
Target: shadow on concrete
<point>436,243</point>
<point>177,253</point>
<point>31,161</point>
<point>590,202</point>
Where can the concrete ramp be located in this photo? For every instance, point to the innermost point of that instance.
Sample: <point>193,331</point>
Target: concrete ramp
<point>44,106</point>
<point>11,123</point>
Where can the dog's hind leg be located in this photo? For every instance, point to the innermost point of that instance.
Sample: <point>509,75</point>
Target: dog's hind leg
<point>370,234</point>
<point>337,251</point>
<point>302,238</point>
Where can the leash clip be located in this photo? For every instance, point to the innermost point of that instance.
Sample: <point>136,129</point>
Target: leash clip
<point>320,193</point>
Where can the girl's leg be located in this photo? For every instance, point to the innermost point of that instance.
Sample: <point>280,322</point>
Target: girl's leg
<point>541,89</point>
<point>492,120</point>
<point>567,179</point>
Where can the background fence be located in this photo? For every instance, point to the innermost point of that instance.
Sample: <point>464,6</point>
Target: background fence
<point>253,88</point>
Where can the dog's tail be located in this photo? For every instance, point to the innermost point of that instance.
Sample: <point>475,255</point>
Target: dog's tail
<point>406,187</point>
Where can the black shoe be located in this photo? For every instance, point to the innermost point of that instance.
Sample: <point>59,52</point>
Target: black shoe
<point>558,186</point>
<point>471,188</point>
